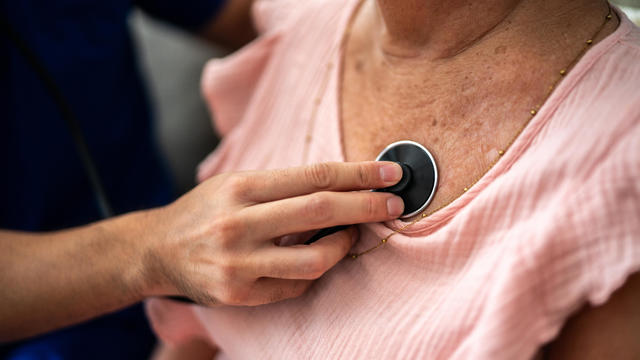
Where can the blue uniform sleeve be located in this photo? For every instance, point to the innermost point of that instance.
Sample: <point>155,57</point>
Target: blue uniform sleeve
<point>188,14</point>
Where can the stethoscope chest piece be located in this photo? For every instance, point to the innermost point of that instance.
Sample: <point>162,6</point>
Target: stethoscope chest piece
<point>417,186</point>
<point>419,175</point>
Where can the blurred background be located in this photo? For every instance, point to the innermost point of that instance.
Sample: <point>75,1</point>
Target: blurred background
<point>631,8</point>
<point>172,61</point>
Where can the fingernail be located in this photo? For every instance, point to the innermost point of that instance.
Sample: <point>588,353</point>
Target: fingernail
<point>395,206</point>
<point>391,173</point>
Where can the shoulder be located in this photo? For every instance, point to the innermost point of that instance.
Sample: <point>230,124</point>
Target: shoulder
<point>609,73</point>
<point>595,119</point>
<point>291,31</point>
<point>582,174</point>
<point>607,103</point>
<point>616,69</point>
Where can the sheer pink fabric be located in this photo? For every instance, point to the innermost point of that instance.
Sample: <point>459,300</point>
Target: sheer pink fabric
<point>494,275</point>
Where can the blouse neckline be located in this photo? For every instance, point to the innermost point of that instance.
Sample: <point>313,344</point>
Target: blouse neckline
<point>439,218</point>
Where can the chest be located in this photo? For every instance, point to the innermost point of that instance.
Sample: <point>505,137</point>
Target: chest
<point>467,113</point>
<point>467,127</point>
<point>459,110</point>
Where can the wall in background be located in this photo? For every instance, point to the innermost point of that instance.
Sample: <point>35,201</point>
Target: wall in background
<point>172,62</point>
<point>631,8</point>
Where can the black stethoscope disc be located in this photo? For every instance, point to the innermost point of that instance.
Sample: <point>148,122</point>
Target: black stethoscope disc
<point>419,176</point>
<point>417,186</point>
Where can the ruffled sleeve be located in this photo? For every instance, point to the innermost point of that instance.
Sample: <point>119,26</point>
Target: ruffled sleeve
<point>598,246</point>
<point>228,84</point>
<point>269,15</point>
<point>594,249</point>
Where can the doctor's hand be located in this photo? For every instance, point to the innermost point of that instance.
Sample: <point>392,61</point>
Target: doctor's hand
<point>219,244</point>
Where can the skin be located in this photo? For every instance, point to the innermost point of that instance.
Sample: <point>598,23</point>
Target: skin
<point>476,84</point>
<point>462,76</point>
<point>218,244</point>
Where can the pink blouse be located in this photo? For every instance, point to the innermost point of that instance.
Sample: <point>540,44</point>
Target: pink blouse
<point>554,225</point>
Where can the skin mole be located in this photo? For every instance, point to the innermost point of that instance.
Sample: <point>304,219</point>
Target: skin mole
<point>500,49</point>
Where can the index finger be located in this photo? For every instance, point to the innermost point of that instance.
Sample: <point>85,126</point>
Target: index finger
<point>305,262</point>
<point>279,184</point>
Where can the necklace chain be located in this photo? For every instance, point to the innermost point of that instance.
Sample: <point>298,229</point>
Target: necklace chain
<point>531,114</point>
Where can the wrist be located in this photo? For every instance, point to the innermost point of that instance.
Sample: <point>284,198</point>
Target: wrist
<point>135,238</point>
<point>147,235</point>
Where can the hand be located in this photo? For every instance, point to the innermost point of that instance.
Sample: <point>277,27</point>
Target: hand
<point>219,244</point>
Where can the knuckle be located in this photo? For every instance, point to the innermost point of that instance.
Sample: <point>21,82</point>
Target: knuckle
<point>318,208</point>
<point>238,186</point>
<point>363,176</point>
<point>227,230</point>
<point>228,270</point>
<point>224,296</point>
<point>317,266</point>
<point>239,298</point>
<point>321,176</point>
<point>231,290</point>
<point>233,297</point>
<point>369,207</point>
<point>300,288</point>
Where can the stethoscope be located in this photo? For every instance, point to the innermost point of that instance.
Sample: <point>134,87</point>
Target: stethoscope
<point>416,187</point>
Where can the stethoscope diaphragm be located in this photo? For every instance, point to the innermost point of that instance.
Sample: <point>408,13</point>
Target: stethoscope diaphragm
<point>419,175</point>
<point>417,186</point>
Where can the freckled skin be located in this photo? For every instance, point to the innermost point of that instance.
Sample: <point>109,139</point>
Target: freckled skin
<point>500,50</point>
<point>463,108</point>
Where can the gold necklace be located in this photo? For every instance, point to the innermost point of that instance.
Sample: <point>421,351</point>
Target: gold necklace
<point>531,114</point>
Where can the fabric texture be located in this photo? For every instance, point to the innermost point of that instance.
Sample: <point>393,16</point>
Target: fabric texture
<point>553,226</point>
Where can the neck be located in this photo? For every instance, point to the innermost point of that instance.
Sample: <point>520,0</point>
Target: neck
<point>444,28</point>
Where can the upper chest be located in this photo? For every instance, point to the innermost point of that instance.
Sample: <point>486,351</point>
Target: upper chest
<point>477,100</point>
<point>460,108</point>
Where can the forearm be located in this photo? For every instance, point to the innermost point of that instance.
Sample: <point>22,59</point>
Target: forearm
<point>216,245</point>
<point>50,280</point>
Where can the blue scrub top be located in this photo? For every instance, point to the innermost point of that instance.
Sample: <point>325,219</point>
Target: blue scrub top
<point>86,46</point>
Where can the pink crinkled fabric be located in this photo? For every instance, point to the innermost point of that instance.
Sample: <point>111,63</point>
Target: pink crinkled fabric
<point>554,225</point>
